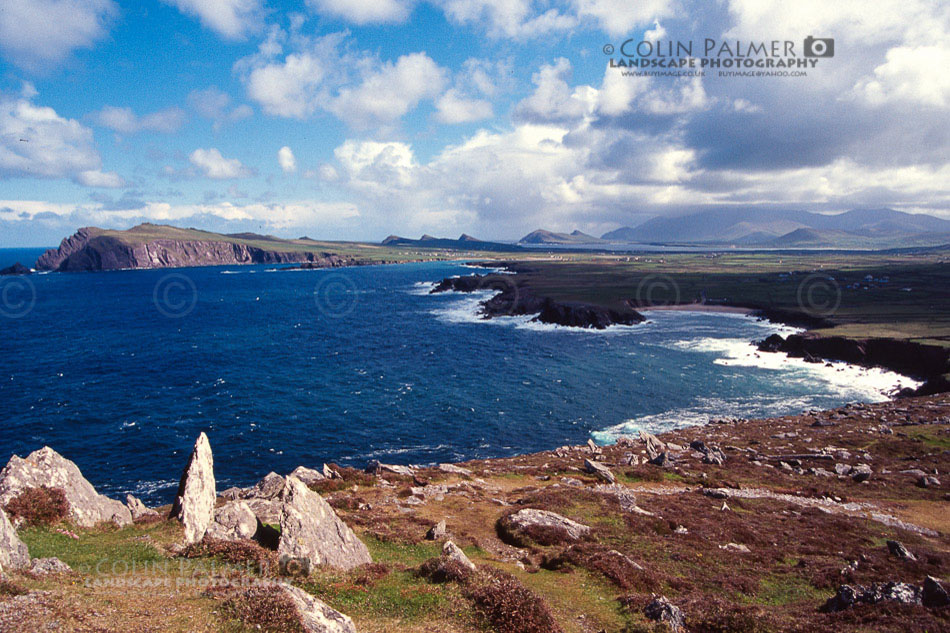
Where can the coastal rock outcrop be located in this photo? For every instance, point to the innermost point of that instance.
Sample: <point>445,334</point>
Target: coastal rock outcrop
<point>540,526</point>
<point>46,467</point>
<point>92,249</point>
<point>233,521</point>
<point>315,615</point>
<point>15,269</point>
<point>312,533</point>
<point>13,552</point>
<point>600,471</point>
<point>194,502</point>
<point>307,475</point>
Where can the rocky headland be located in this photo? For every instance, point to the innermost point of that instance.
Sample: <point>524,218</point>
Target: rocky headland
<point>825,521</point>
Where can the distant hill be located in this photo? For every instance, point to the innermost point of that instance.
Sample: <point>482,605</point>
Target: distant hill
<point>542,236</point>
<point>464,242</point>
<point>866,228</point>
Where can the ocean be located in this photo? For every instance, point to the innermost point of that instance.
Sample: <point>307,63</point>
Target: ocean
<point>119,372</point>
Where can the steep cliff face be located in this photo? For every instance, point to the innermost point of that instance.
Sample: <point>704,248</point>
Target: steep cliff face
<point>88,250</point>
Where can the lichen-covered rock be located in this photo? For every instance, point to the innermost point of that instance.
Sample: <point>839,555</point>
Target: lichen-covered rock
<point>44,566</point>
<point>137,508</point>
<point>48,468</point>
<point>897,549</point>
<point>662,610</point>
<point>194,503</point>
<point>13,552</point>
<point>436,532</point>
<point>375,467</point>
<point>234,521</point>
<point>267,488</point>
<point>600,471</point>
<point>542,527</point>
<point>311,532</point>
<point>861,472</point>
<point>307,475</point>
<point>849,596</point>
<point>315,616</point>
<point>454,553</point>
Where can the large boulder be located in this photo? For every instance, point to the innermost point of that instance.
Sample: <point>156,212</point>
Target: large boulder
<point>312,533</point>
<point>849,596</point>
<point>600,471</point>
<point>540,526</point>
<point>269,487</point>
<point>307,475</point>
<point>264,498</point>
<point>234,521</point>
<point>662,610</point>
<point>315,616</point>
<point>194,503</point>
<point>46,467</point>
<point>13,552</point>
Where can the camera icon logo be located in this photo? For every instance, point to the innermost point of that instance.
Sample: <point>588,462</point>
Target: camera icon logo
<point>819,46</point>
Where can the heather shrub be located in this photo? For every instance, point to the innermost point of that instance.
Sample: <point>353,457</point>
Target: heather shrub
<point>39,506</point>
<point>265,608</point>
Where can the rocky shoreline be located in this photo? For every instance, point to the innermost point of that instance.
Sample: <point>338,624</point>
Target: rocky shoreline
<point>927,363</point>
<point>829,520</point>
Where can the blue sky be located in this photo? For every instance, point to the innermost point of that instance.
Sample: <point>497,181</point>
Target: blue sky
<point>354,119</point>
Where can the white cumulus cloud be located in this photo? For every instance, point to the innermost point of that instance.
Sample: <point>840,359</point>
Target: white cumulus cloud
<point>213,165</point>
<point>125,121</point>
<point>286,160</point>
<point>36,34</point>
<point>364,11</point>
<point>389,90</point>
<point>232,19</point>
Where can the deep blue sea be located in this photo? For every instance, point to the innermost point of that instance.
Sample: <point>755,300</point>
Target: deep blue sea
<point>119,371</point>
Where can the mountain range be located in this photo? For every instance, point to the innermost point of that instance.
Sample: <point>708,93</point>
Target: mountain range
<point>541,236</point>
<point>878,228</point>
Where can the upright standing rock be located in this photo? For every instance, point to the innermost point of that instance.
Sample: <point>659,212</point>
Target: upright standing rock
<point>194,503</point>
<point>46,467</point>
<point>311,531</point>
<point>13,552</point>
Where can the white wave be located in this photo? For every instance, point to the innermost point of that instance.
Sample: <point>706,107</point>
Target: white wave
<point>422,288</point>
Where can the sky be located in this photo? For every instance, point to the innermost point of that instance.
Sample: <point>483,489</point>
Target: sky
<point>356,119</point>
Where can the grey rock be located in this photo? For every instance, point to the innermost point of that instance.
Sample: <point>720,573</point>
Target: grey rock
<point>455,470</point>
<point>46,467</point>
<point>928,482</point>
<point>861,472</point>
<point>436,532</point>
<point>137,508</point>
<point>312,532</point>
<point>329,473</point>
<point>654,446</point>
<point>232,494</point>
<point>307,475</point>
<point>897,549</point>
<point>316,616</point>
<point>376,468</point>
<point>663,460</point>
<point>232,522</point>
<point>532,518</point>
<point>266,510</point>
<point>44,566</point>
<point>662,610</point>
<point>13,552</point>
<point>715,456</point>
<point>849,596</point>
<point>736,547</point>
<point>625,497</point>
<point>194,502</point>
<point>600,471</point>
<point>453,552</point>
<point>716,493</point>
<point>914,472</point>
<point>842,469</point>
<point>934,595</point>
<point>267,488</point>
